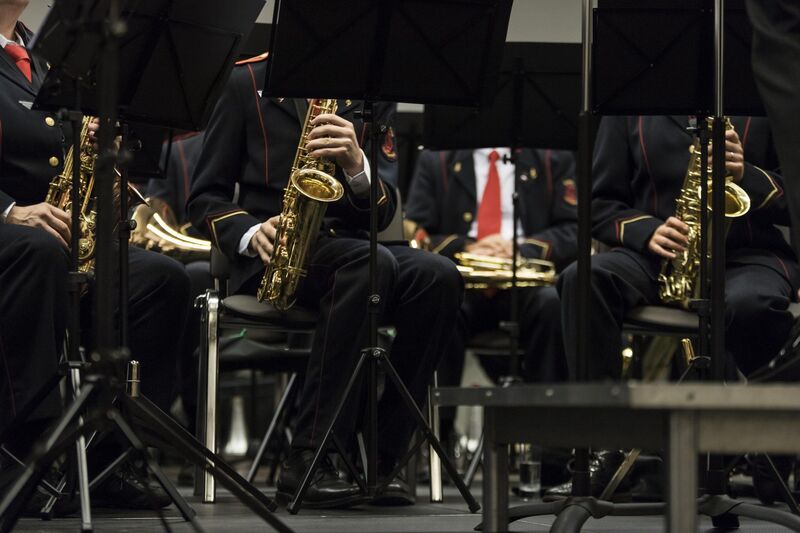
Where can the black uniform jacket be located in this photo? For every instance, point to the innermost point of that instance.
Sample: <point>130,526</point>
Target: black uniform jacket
<point>31,149</point>
<point>443,201</point>
<point>179,168</point>
<point>638,171</point>
<point>252,141</point>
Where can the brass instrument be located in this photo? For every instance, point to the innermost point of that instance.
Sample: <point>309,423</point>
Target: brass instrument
<point>59,195</point>
<point>678,280</point>
<point>310,189</point>
<point>483,272</point>
<point>157,229</point>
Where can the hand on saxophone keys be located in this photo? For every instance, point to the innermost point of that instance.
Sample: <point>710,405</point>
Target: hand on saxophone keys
<point>669,238</point>
<point>263,240</point>
<point>734,156</point>
<point>335,138</point>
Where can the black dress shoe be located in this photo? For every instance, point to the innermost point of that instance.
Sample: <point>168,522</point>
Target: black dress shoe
<point>396,492</point>
<point>328,490</point>
<point>130,488</point>
<point>602,466</point>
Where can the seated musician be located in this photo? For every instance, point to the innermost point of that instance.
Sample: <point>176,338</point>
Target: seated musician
<point>463,200</point>
<point>252,141</point>
<point>34,261</point>
<point>639,168</point>
<point>167,195</point>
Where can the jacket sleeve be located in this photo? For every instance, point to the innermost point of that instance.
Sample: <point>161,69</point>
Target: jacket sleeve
<point>558,242</point>
<point>355,208</point>
<point>615,221</point>
<point>210,205</point>
<point>425,204</point>
<point>764,185</point>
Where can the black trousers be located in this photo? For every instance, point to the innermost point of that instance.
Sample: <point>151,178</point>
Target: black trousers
<point>33,317</point>
<point>539,328</point>
<point>420,296</point>
<point>756,298</point>
<point>776,66</point>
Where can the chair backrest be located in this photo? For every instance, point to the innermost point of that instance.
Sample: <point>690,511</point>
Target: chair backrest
<point>394,231</point>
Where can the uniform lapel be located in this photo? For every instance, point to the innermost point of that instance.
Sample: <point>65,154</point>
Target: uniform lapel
<point>287,105</point>
<point>462,168</point>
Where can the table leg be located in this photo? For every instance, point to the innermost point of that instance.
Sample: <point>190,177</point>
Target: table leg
<point>495,477</point>
<point>682,464</point>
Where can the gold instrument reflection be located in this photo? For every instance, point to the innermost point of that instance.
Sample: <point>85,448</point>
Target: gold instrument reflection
<point>484,272</point>
<point>156,230</point>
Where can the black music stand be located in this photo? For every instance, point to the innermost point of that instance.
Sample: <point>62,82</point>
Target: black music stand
<point>83,39</point>
<point>639,51</point>
<point>421,51</point>
<point>536,105</point>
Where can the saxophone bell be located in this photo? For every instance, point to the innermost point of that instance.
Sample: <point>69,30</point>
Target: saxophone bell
<point>310,189</point>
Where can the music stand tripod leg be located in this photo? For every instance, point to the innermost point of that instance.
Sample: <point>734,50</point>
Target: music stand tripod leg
<point>294,505</point>
<point>428,433</point>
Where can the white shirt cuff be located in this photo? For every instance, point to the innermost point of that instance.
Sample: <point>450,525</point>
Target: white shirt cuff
<point>5,213</point>
<point>359,183</point>
<point>244,242</point>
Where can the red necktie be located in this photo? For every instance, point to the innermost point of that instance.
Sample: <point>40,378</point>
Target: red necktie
<point>20,57</point>
<point>490,215</point>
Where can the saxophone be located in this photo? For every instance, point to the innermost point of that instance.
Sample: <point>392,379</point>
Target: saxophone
<point>678,280</point>
<point>59,195</point>
<point>311,187</point>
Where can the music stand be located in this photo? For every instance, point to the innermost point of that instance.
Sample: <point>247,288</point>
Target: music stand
<point>366,48</point>
<point>638,52</point>
<point>536,105</point>
<point>83,39</point>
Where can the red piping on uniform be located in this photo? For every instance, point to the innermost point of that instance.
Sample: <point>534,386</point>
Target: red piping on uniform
<point>647,164</point>
<point>261,121</point>
<point>185,167</point>
<point>746,130</point>
<point>8,378</point>
<point>548,170</point>
<point>444,169</point>
<point>363,134</point>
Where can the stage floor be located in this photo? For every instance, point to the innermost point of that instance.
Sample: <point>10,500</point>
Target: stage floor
<point>229,516</point>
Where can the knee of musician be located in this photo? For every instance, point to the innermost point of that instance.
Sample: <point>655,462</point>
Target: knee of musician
<point>753,316</point>
<point>440,278</point>
<point>169,281</point>
<point>387,268</point>
<point>550,304</point>
<point>43,252</point>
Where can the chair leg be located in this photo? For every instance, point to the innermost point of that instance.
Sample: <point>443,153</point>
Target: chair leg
<point>273,424</point>
<point>207,388</point>
<point>435,463</point>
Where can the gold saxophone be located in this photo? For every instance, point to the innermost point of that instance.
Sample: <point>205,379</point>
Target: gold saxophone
<point>58,195</point>
<point>678,280</point>
<point>483,272</point>
<point>310,189</point>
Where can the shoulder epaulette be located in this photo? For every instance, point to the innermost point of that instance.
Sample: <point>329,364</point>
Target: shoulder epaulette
<point>256,59</point>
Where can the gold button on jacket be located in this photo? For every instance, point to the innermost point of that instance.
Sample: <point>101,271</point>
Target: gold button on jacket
<point>50,121</point>
<point>54,161</point>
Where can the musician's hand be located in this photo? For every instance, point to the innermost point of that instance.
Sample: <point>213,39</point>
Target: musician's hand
<point>669,238</point>
<point>263,240</point>
<point>335,138</point>
<point>45,216</point>
<point>493,246</point>
<point>94,128</point>
<point>734,156</point>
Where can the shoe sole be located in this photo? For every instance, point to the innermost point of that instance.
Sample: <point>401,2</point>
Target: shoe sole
<point>284,498</point>
<point>616,498</point>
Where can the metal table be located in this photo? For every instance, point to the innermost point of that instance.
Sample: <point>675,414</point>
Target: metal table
<point>683,420</point>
